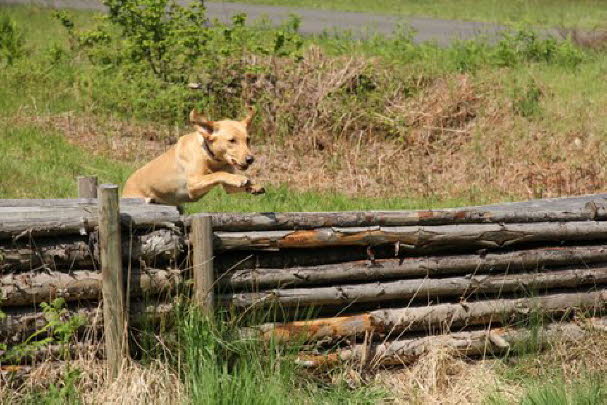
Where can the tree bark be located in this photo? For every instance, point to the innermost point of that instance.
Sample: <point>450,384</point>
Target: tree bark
<point>22,322</point>
<point>35,287</point>
<point>418,238</point>
<point>441,317</point>
<point>474,343</point>
<point>584,208</point>
<point>20,223</point>
<point>462,287</point>
<point>157,248</point>
<point>63,202</point>
<point>386,269</point>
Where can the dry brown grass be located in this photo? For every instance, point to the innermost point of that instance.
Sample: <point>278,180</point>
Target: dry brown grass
<point>459,138</point>
<point>151,384</point>
<point>595,39</point>
<point>443,377</point>
<point>440,377</point>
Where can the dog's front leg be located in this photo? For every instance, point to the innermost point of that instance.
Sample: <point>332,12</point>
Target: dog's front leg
<point>251,188</point>
<point>199,185</point>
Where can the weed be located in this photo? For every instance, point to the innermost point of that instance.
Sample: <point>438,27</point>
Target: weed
<point>61,392</point>
<point>11,40</point>
<point>221,367</point>
<point>57,330</point>
<point>526,100</point>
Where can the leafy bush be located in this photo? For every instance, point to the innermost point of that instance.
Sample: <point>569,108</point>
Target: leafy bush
<point>527,46</point>
<point>526,100</point>
<point>59,329</point>
<point>145,51</point>
<point>171,41</point>
<point>11,40</point>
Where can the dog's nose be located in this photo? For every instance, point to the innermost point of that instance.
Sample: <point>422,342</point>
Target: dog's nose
<point>249,159</point>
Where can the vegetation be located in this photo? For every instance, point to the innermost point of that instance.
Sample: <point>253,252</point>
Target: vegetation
<point>344,124</point>
<point>472,123</point>
<point>568,13</point>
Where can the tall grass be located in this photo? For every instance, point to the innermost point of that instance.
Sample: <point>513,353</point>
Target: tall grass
<point>219,367</point>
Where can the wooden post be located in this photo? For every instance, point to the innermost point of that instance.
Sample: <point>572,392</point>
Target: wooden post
<point>114,320</point>
<point>87,186</point>
<point>202,262</point>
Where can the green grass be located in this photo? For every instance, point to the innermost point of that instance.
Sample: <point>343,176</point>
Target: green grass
<point>221,369</point>
<point>569,13</point>
<point>589,390</point>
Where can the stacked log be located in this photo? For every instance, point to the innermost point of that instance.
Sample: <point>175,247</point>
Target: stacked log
<point>391,276</point>
<point>50,249</point>
<point>486,342</point>
<point>386,274</point>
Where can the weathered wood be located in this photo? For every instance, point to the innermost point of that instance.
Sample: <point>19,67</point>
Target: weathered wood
<point>35,287</point>
<point>156,248</point>
<point>433,318</point>
<point>418,238</point>
<point>21,322</point>
<point>418,288</point>
<point>386,269</point>
<point>112,278</point>
<point>23,222</point>
<point>87,186</point>
<point>64,202</point>
<point>593,207</point>
<point>483,343</point>
<point>202,263</point>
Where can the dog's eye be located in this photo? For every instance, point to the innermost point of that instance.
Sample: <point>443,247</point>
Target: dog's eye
<point>232,140</point>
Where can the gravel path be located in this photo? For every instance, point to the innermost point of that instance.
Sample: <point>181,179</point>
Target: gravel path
<point>319,21</point>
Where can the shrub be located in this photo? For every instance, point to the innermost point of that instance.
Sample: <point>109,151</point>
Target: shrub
<point>11,40</point>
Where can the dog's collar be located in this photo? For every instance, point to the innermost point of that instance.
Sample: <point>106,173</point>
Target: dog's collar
<point>205,146</point>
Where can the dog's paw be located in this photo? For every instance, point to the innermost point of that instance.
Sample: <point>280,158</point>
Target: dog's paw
<point>241,182</point>
<point>256,189</point>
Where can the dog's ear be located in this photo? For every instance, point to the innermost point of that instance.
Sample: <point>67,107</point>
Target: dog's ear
<point>249,118</point>
<point>202,125</point>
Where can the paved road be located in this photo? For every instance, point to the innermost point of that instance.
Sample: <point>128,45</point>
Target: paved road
<point>319,21</point>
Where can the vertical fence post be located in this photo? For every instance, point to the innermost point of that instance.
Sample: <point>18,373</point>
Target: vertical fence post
<point>114,319</point>
<point>87,186</point>
<point>201,237</point>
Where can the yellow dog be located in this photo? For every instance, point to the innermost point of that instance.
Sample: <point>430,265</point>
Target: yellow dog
<point>196,163</point>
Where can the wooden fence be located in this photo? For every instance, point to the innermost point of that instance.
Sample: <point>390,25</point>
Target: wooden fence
<point>382,285</point>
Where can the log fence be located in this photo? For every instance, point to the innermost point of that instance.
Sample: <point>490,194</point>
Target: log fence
<point>407,278</point>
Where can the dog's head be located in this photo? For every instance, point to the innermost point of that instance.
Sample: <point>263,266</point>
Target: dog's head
<point>227,141</point>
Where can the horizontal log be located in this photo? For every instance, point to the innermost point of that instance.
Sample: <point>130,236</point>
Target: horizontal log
<point>21,322</point>
<point>431,318</point>
<point>23,222</point>
<point>63,202</point>
<point>418,238</point>
<point>160,247</point>
<point>473,343</point>
<point>386,269</point>
<point>418,288</point>
<point>35,287</point>
<point>584,208</point>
